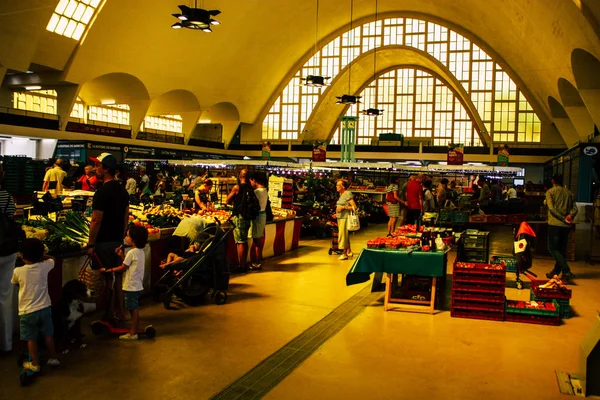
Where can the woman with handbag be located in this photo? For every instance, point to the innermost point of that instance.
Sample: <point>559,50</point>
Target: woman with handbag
<point>393,204</point>
<point>344,206</point>
<point>8,257</point>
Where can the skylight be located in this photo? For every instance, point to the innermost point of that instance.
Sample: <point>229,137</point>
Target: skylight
<point>71,17</point>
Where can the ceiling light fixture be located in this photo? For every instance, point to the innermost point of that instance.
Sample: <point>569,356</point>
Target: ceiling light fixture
<point>107,102</point>
<point>196,18</point>
<point>348,98</point>
<point>34,87</point>
<point>316,80</point>
<point>374,112</point>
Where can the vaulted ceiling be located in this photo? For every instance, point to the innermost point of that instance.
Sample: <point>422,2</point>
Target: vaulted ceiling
<point>260,44</point>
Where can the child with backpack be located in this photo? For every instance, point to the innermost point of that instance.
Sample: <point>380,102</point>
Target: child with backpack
<point>245,209</point>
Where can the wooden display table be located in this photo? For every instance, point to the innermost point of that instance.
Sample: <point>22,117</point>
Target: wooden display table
<point>395,262</point>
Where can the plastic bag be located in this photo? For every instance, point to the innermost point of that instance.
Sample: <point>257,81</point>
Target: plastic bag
<point>353,222</point>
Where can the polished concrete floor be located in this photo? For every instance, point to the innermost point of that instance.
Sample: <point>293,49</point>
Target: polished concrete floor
<point>378,355</point>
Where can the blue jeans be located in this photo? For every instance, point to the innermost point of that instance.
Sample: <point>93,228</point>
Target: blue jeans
<point>558,238</point>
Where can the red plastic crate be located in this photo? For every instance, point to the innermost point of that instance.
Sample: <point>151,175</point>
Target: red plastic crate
<point>473,314</point>
<point>560,293</point>
<point>516,218</point>
<point>473,288</point>
<point>480,279</point>
<point>478,268</point>
<point>495,219</point>
<point>476,306</point>
<point>533,319</point>
<point>478,297</point>
<point>480,273</point>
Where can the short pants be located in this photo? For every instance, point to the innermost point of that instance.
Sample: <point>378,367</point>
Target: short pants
<point>33,323</point>
<point>258,226</point>
<point>132,299</point>
<point>106,254</point>
<point>240,230</point>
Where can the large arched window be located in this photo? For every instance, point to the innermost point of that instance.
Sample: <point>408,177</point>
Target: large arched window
<point>415,103</point>
<point>504,110</point>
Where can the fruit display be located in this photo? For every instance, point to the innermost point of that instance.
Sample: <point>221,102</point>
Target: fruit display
<point>163,216</point>
<point>407,229</point>
<point>281,214</point>
<point>209,216</point>
<point>392,242</point>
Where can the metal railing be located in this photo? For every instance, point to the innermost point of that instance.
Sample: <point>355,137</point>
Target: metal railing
<point>28,113</point>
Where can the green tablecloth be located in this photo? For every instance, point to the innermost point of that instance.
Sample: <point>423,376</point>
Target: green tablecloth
<point>432,263</point>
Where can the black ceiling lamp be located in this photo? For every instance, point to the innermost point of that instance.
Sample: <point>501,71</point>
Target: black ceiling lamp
<point>316,80</point>
<point>348,98</point>
<point>374,112</point>
<point>196,18</point>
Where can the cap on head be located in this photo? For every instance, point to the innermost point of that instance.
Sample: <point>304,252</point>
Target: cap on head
<point>106,159</point>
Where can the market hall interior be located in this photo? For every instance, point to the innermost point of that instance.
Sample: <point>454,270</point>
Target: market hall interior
<point>80,77</point>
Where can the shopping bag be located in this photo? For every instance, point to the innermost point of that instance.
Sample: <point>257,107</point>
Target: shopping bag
<point>93,280</point>
<point>353,222</point>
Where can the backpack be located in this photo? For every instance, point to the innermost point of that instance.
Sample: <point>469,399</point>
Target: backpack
<point>269,211</point>
<point>249,206</point>
<point>10,233</point>
<point>390,198</point>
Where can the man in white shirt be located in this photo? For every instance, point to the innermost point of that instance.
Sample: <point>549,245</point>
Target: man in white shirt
<point>54,178</point>
<point>131,186</point>
<point>512,193</point>
<point>144,180</point>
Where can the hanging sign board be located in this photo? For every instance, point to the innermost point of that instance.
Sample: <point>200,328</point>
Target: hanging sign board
<point>503,155</point>
<point>455,154</point>
<point>266,151</point>
<point>319,152</point>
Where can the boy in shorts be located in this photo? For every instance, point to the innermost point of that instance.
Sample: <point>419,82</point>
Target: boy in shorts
<point>133,277</point>
<point>35,313</point>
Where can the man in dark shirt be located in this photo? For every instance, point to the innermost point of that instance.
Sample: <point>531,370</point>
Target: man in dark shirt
<point>109,222</point>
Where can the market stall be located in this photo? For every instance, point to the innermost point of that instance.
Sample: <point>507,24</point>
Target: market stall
<point>412,252</point>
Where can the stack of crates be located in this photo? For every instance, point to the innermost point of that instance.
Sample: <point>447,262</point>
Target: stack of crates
<point>13,174</point>
<point>509,261</point>
<point>561,295</point>
<point>474,247</point>
<point>478,291</point>
<point>520,311</point>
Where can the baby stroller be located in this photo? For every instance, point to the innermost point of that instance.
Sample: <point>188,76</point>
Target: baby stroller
<point>523,243</point>
<point>192,278</point>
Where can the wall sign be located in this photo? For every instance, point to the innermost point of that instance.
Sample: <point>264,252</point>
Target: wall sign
<point>590,151</point>
<point>98,130</point>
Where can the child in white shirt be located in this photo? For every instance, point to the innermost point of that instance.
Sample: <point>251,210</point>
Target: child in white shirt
<point>133,278</point>
<point>35,312</point>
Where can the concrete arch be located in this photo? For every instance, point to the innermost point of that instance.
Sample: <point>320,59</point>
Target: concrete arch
<point>323,120</point>
<point>178,102</point>
<point>562,122</point>
<point>121,87</point>
<point>304,62</point>
<point>226,114</point>
<point>586,69</point>
<point>575,108</point>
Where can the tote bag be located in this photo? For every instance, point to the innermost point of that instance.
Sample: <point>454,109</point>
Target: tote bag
<point>353,222</point>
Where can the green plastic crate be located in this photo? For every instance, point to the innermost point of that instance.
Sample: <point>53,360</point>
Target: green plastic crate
<point>564,305</point>
<point>530,311</point>
<point>509,261</point>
